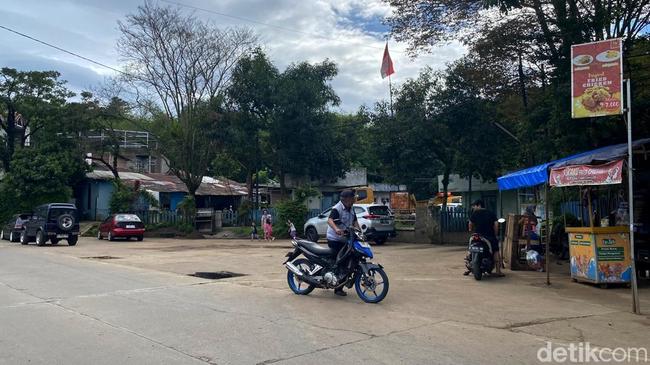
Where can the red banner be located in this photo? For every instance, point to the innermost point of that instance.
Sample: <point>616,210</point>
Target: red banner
<point>596,79</point>
<point>579,175</point>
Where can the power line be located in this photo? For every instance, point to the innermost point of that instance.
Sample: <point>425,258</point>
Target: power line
<point>64,50</point>
<point>286,29</point>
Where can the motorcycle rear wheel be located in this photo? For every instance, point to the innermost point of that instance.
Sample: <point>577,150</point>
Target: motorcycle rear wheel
<point>476,267</point>
<point>297,286</point>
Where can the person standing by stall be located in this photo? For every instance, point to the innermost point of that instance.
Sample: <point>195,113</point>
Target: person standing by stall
<point>484,222</point>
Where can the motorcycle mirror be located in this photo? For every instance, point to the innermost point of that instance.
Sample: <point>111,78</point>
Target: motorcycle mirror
<point>501,220</point>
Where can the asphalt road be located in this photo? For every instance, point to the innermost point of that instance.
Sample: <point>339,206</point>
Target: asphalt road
<point>59,305</point>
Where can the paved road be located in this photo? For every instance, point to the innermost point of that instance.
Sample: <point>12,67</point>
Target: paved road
<point>57,306</point>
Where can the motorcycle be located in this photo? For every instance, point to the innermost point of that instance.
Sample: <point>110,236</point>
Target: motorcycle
<point>322,268</point>
<point>480,259</point>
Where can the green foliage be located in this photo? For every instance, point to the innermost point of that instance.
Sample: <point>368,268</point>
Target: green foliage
<point>122,199</point>
<point>303,193</point>
<point>293,210</point>
<point>529,95</point>
<point>127,198</point>
<point>185,228</point>
<point>32,99</point>
<point>187,206</point>
<point>41,175</point>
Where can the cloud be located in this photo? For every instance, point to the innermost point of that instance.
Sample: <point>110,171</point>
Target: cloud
<point>349,32</point>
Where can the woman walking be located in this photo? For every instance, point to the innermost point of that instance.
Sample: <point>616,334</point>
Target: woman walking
<point>267,223</point>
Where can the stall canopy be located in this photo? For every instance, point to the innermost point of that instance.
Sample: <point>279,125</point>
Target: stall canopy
<point>602,155</point>
<point>538,175</point>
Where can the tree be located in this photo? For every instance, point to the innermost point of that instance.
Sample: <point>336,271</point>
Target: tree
<point>186,63</point>
<point>28,102</point>
<point>302,140</point>
<point>45,172</point>
<point>425,23</point>
<point>407,138</point>
<point>252,98</point>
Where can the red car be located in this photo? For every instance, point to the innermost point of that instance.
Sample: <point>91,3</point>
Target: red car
<point>121,226</point>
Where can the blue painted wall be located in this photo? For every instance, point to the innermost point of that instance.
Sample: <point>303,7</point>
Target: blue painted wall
<point>95,197</point>
<point>174,199</point>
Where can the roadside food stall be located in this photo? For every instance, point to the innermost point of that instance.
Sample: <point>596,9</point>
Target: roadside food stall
<point>600,254</point>
<point>600,251</point>
<point>538,179</point>
<point>532,185</point>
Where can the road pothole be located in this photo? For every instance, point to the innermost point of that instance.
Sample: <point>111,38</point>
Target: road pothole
<point>101,257</point>
<point>216,275</point>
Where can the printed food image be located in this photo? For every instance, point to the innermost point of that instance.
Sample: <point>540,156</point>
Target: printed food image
<point>582,60</point>
<point>608,56</point>
<point>593,97</point>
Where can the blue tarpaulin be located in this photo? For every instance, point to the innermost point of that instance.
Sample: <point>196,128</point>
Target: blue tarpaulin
<point>538,175</point>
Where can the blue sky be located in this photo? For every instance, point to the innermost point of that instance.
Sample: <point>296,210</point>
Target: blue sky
<point>351,34</point>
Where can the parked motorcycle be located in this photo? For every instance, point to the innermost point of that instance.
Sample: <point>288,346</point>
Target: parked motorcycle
<point>480,259</point>
<point>320,267</point>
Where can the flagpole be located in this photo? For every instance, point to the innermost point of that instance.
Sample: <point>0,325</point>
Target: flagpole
<point>390,90</point>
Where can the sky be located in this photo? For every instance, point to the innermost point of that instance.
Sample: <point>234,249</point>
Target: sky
<point>348,32</point>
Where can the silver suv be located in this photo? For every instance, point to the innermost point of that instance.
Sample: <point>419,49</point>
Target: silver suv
<point>375,220</point>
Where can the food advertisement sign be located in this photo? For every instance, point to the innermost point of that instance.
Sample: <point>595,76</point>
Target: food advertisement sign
<point>597,78</point>
<point>583,258</point>
<point>614,262</point>
<point>579,175</point>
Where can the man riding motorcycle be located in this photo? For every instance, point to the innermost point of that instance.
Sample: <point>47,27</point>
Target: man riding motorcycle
<point>343,213</point>
<point>484,223</point>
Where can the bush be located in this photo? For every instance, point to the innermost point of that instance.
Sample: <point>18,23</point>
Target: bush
<point>187,206</point>
<point>128,199</point>
<point>293,210</point>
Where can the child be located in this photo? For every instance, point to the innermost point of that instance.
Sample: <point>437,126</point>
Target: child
<point>253,231</point>
<point>268,229</point>
<point>292,229</point>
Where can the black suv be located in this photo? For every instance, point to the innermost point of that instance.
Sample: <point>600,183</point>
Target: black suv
<point>52,222</point>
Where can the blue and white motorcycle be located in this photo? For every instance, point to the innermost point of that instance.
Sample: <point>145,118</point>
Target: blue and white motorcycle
<point>320,267</point>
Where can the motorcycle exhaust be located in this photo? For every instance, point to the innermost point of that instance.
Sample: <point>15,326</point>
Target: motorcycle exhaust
<point>294,269</point>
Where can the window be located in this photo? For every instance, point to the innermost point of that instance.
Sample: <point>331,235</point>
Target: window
<point>362,194</point>
<point>359,210</point>
<point>127,218</point>
<point>379,210</point>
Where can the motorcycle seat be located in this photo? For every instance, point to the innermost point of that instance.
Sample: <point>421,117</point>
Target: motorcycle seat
<point>315,248</point>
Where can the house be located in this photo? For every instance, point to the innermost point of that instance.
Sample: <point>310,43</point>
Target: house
<point>94,196</point>
<point>137,150</point>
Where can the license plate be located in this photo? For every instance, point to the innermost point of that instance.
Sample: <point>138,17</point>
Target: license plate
<point>130,226</point>
<point>61,236</point>
<point>476,249</point>
<point>384,221</point>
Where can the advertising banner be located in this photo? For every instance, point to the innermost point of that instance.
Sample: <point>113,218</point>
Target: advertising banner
<point>597,78</point>
<point>583,175</point>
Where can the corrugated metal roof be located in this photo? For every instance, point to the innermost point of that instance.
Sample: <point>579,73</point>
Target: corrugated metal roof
<point>164,183</point>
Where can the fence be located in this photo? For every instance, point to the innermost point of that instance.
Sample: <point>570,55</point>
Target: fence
<point>233,219</point>
<point>151,217</point>
<point>453,220</point>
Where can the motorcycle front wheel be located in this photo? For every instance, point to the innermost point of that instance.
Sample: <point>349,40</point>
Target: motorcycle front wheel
<point>298,286</point>
<point>372,288</point>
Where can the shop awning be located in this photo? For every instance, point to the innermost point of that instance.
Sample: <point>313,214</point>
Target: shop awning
<point>601,155</point>
<point>538,175</point>
<point>535,175</point>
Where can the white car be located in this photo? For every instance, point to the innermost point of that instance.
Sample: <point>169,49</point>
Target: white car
<point>375,221</point>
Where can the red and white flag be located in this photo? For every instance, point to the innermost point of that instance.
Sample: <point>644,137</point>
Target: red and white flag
<point>386,64</point>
